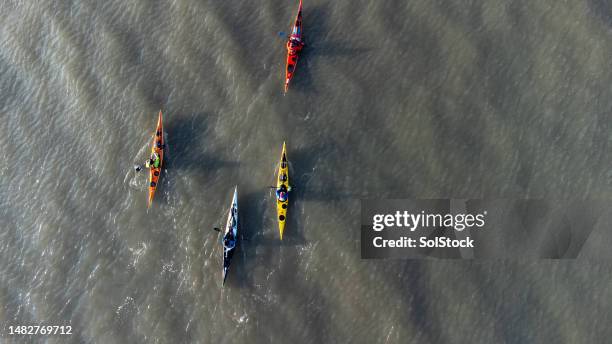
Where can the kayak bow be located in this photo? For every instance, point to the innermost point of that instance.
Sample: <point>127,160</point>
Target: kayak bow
<point>283,179</point>
<point>230,236</point>
<point>157,147</point>
<point>294,45</point>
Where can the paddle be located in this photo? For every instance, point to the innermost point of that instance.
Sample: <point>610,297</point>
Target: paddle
<point>241,236</point>
<point>275,187</point>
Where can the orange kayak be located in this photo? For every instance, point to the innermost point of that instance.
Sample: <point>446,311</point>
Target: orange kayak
<point>294,46</point>
<point>158,147</point>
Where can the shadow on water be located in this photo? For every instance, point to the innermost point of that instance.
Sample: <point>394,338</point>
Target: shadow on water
<point>259,229</point>
<point>514,309</point>
<point>419,299</point>
<point>317,33</point>
<point>138,51</point>
<point>602,9</point>
<point>304,163</point>
<point>316,28</point>
<point>187,141</point>
<point>186,144</point>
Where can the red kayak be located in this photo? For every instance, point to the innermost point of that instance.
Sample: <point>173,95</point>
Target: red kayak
<point>294,46</point>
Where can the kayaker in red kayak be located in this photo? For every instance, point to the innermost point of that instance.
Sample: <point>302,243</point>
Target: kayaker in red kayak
<point>294,45</point>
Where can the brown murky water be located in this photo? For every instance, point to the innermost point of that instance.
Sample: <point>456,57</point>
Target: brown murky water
<point>391,99</point>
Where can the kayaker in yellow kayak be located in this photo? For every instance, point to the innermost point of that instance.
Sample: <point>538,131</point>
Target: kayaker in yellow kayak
<point>282,193</point>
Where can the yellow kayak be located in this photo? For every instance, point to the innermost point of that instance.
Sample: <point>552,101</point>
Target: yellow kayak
<point>282,183</point>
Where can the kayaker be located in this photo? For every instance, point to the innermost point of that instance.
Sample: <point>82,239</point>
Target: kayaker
<point>228,241</point>
<point>281,193</point>
<point>153,162</point>
<point>294,46</point>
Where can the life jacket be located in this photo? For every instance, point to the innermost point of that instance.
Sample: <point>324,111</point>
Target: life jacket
<point>282,196</point>
<point>293,46</point>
